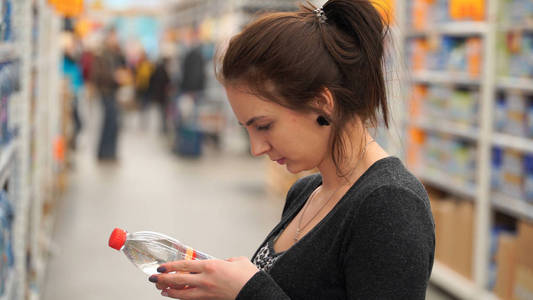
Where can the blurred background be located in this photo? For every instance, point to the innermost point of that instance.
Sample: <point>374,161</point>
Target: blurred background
<point>110,116</point>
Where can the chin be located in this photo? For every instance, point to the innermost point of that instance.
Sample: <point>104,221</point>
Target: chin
<point>296,169</point>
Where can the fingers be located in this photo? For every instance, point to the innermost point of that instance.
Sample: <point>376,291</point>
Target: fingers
<point>188,293</point>
<point>161,286</point>
<point>190,266</point>
<point>174,280</point>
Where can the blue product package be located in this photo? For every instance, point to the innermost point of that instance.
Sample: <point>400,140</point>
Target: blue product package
<point>500,113</point>
<point>529,117</point>
<point>447,45</point>
<point>496,172</point>
<point>6,242</point>
<point>528,177</point>
<point>527,49</point>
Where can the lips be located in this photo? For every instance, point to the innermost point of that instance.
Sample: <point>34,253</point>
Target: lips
<point>281,161</point>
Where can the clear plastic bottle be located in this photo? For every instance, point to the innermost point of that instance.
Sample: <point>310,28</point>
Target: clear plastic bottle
<point>147,250</point>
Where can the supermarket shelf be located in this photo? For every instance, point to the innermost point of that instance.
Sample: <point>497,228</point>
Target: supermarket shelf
<point>10,287</point>
<point>443,181</point>
<point>456,284</point>
<point>452,28</point>
<point>445,77</point>
<point>447,127</point>
<point>6,157</point>
<point>513,142</point>
<point>7,51</point>
<point>521,27</point>
<point>514,83</point>
<point>513,206</point>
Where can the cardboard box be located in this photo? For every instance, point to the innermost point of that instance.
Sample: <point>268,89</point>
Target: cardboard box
<point>464,235</point>
<point>525,244</point>
<point>506,260</point>
<point>444,232</point>
<point>523,288</point>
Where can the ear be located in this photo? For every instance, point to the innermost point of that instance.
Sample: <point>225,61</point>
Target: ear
<point>326,102</point>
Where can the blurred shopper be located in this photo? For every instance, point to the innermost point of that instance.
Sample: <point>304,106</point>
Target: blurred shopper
<point>308,87</point>
<point>193,68</point>
<point>73,73</point>
<point>107,74</point>
<point>159,90</point>
<point>143,73</point>
<point>188,136</point>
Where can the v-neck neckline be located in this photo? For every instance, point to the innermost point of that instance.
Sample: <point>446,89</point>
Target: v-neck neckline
<point>315,184</point>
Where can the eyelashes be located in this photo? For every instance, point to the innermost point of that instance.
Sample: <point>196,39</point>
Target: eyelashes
<point>264,128</point>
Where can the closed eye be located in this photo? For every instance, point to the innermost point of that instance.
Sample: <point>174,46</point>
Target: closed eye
<point>264,128</point>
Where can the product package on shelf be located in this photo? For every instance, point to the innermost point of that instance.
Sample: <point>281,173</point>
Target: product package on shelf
<point>438,154</point>
<point>516,12</point>
<point>513,114</point>
<point>9,84</point>
<point>457,105</point>
<point>512,173</point>
<point>6,28</point>
<point>460,55</point>
<point>6,241</point>
<point>454,232</point>
<point>425,13</point>
<point>515,48</point>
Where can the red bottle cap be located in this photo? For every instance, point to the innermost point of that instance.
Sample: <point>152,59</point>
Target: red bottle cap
<point>117,239</point>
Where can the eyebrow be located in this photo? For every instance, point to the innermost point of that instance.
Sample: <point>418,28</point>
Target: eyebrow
<point>252,120</point>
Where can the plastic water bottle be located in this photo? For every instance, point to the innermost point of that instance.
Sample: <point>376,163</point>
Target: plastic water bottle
<point>147,250</point>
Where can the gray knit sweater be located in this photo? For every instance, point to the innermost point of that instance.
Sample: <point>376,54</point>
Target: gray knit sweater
<point>377,243</point>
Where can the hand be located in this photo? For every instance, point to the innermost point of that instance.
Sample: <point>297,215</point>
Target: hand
<point>204,279</point>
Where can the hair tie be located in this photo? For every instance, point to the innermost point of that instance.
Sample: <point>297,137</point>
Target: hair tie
<point>319,12</point>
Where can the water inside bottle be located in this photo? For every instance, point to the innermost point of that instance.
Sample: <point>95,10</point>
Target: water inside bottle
<point>148,255</point>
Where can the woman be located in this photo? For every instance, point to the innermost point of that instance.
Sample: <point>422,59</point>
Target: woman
<point>308,86</point>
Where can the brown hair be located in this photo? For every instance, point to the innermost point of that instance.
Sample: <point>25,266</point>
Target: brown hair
<point>290,57</point>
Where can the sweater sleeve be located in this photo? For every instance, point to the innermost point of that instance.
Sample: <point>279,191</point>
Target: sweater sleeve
<point>390,248</point>
<point>261,287</point>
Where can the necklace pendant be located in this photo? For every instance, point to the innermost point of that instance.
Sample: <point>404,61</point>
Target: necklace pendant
<point>297,235</point>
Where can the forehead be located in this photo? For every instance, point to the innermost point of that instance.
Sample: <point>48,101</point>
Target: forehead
<point>247,105</point>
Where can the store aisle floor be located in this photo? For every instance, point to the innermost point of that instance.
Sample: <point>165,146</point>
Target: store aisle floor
<point>218,204</point>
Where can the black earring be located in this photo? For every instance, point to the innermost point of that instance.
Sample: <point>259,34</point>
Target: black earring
<point>322,121</point>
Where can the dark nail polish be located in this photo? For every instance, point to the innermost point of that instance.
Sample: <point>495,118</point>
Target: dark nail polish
<point>153,279</point>
<point>161,269</point>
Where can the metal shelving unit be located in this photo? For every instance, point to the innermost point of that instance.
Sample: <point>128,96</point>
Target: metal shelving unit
<point>512,206</point>
<point>456,284</point>
<point>27,187</point>
<point>466,28</point>
<point>448,127</point>
<point>486,200</point>
<point>510,83</point>
<point>513,142</point>
<point>435,178</point>
<point>482,135</point>
<point>444,77</point>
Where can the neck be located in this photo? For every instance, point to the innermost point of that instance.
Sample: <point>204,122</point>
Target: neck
<point>358,160</point>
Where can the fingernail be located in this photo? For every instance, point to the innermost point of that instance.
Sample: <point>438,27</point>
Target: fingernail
<point>164,294</point>
<point>153,279</point>
<point>161,269</point>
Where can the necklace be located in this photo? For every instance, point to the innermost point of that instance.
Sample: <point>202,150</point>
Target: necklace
<point>299,228</point>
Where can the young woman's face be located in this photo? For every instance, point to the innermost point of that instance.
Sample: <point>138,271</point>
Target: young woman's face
<point>288,137</point>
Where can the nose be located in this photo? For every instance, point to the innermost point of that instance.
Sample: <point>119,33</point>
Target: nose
<point>259,145</point>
